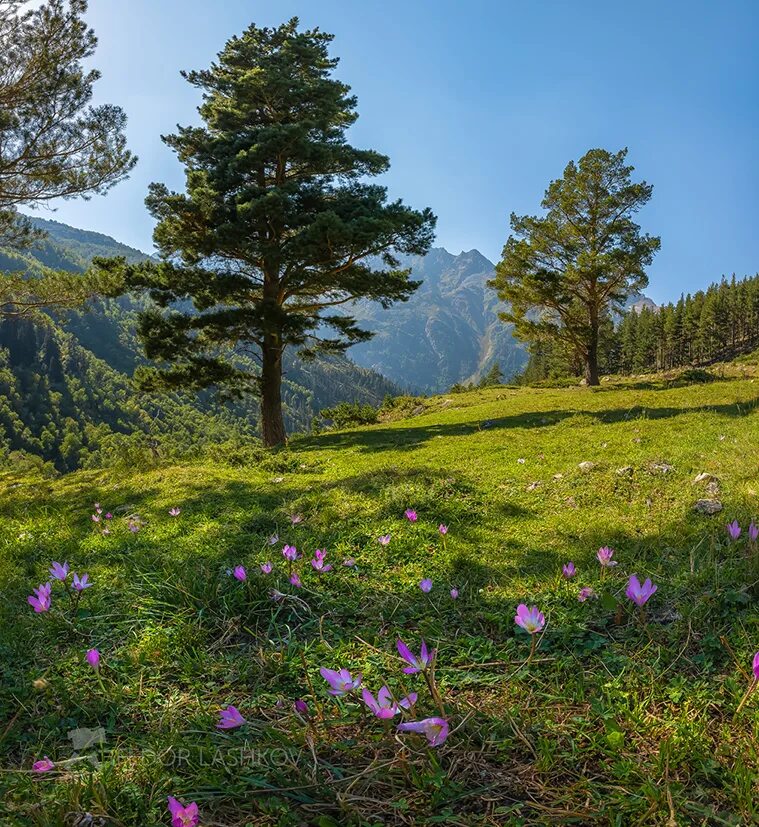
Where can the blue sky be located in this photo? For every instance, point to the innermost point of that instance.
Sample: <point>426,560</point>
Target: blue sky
<point>480,104</point>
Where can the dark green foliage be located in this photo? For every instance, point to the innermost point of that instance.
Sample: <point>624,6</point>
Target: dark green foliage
<point>565,273</point>
<point>66,396</point>
<point>53,144</point>
<point>714,325</point>
<point>348,414</point>
<point>277,228</point>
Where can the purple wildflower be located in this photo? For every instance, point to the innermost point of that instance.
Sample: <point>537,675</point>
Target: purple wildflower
<point>266,567</point>
<point>531,620</point>
<point>443,529</point>
<point>93,658</point>
<point>383,706</point>
<point>426,585</point>
<point>341,682</point>
<point>349,562</point>
<point>585,593</point>
<point>604,555</point>
<point>239,573</point>
<point>59,571</point>
<point>290,553</point>
<point>182,816</point>
<point>295,580</point>
<point>81,583</point>
<point>637,593</point>
<point>411,515</point>
<point>384,540</point>
<point>43,765</point>
<point>734,530</point>
<point>230,718</point>
<point>416,664</point>
<point>753,531</point>
<point>175,512</point>
<point>301,707</point>
<point>756,666</point>
<point>568,570</point>
<point>435,729</point>
<point>40,602</point>
<point>318,561</point>
<point>454,594</point>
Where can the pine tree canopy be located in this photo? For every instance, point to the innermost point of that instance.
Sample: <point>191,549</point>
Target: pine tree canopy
<point>277,229</point>
<point>564,272</point>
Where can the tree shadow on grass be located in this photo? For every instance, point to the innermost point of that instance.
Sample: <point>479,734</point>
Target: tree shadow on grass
<point>377,439</point>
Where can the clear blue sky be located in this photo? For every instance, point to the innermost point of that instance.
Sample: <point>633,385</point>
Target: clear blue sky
<point>480,104</point>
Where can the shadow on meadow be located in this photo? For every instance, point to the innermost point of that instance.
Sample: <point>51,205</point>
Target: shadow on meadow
<point>377,438</point>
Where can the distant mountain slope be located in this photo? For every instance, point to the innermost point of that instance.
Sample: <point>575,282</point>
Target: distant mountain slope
<point>65,389</point>
<point>447,332</point>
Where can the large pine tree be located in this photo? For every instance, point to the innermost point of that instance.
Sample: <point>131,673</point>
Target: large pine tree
<point>278,226</point>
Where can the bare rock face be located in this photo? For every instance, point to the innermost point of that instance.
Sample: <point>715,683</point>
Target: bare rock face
<point>708,507</point>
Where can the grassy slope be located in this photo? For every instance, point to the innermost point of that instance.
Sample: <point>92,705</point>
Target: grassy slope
<point>614,722</point>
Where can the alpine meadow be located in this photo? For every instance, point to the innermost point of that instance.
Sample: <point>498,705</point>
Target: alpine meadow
<point>309,515</point>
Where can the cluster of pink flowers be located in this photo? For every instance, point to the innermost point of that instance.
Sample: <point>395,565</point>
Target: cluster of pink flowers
<point>638,593</point>
<point>42,598</point>
<point>101,520</point>
<point>384,705</point>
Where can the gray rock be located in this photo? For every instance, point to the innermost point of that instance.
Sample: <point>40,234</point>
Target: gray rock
<point>708,507</point>
<point>586,466</point>
<point>625,471</point>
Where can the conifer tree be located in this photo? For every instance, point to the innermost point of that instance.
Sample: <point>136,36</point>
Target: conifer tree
<point>564,273</point>
<point>277,228</point>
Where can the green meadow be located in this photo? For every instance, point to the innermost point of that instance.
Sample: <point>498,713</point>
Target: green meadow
<point>621,716</point>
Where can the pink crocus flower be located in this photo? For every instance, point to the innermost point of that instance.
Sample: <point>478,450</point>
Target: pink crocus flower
<point>290,553</point>
<point>568,570</point>
<point>239,573</point>
<point>416,664</point>
<point>637,593</point>
<point>40,601</point>
<point>273,540</point>
<point>341,682</point>
<point>266,567</point>
<point>81,583</point>
<point>434,729</point>
<point>43,765</point>
<point>734,530</point>
<point>95,518</point>
<point>443,529</point>
<point>604,555</point>
<point>295,580</point>
<point>133,526</point>
<point>411,515</point>
<point>454,594</point>
<point>175,512</point>
<point>585,593</point>
<point>108,515</point>
<point>182,816</point>
<point>98,508</point>
<point>531,620</point>
<point>349,562</point>
<point>753,531</point>
<point>59,571</point>
<point>384,540</point>
<point>318,561</point>
<point>301,707</point>
<point>93,658</point>
<point>426,585</point>
<point>756,666</point>
<point>296,518</point>
<point>383,706</point>
<point>230,718</point>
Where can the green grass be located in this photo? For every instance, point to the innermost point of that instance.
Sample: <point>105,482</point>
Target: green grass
<point>617,720</point>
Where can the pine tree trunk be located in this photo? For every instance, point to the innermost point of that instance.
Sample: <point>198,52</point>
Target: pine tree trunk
<point>591,354</point>
<point>272,424</point>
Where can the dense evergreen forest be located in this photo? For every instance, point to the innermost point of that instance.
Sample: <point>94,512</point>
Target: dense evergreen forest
<point>708,326</point>
<point>66,395</point>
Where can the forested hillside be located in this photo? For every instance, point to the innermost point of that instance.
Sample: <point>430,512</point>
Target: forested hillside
<point>66,394</point>
<point>712,325</point>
